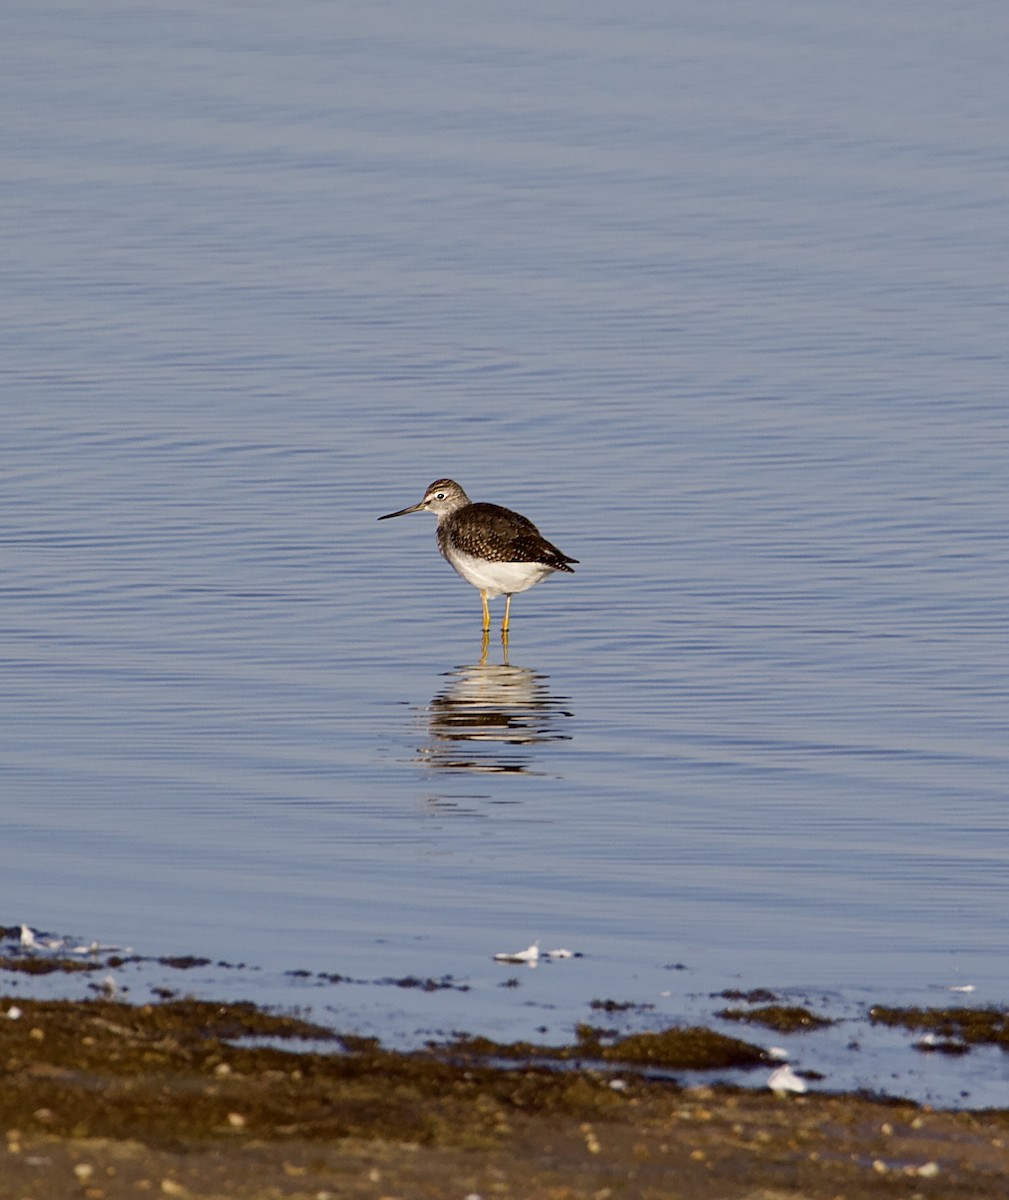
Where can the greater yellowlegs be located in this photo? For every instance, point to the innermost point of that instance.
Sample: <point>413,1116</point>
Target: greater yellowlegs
<point>496,550</point>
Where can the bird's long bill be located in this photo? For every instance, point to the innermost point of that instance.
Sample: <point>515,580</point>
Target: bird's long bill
<point>403,511</point>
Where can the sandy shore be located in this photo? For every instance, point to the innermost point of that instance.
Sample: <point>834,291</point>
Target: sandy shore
<point>103,1100</point>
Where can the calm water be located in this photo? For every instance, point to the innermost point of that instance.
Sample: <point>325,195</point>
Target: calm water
<point>716,294</point>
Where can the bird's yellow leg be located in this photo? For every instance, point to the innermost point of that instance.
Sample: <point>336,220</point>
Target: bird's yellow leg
<point>506,623</point>
<point>483,647</point>
<point>486,610</point>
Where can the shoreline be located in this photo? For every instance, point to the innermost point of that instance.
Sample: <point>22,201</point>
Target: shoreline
<point>105,1100</point>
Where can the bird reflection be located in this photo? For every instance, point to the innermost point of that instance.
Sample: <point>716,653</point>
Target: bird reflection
<point>488,716</point>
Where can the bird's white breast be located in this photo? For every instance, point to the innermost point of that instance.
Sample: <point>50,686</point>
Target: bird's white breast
<point>496,578</point>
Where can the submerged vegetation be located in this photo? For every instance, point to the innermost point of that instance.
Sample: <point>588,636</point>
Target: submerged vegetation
<point>969,1026</point>
<point>783,1018</point>
<point>690,1048</point>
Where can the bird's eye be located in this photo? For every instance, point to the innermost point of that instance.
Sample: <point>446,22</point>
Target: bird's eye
<point>439,496</point>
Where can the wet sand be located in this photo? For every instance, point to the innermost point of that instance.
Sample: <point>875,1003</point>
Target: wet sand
<point>104,1100</point>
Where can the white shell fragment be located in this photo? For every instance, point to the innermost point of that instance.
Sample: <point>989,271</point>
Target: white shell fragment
<point>529,956</point>
<point>784,1080</point>
<point>560,954</point>
<point>109,987</point>
<point>30,940</point>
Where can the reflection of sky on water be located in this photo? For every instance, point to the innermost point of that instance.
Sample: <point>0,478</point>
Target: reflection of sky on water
<point>488,717</point>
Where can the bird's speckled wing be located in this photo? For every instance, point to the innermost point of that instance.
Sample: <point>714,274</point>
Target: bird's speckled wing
<point>500,535</point>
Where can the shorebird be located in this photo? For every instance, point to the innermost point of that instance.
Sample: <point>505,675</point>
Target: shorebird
<point>498,551</point>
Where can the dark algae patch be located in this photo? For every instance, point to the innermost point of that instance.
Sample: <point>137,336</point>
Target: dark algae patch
<point>29,965</point>
<point>184,962</point>
<point>688,1049</point>
<point>784,1018</point>
<point>446,983</point>
<point>619,1006</point>
<point>969,1026</point>
<point>754,996</point>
